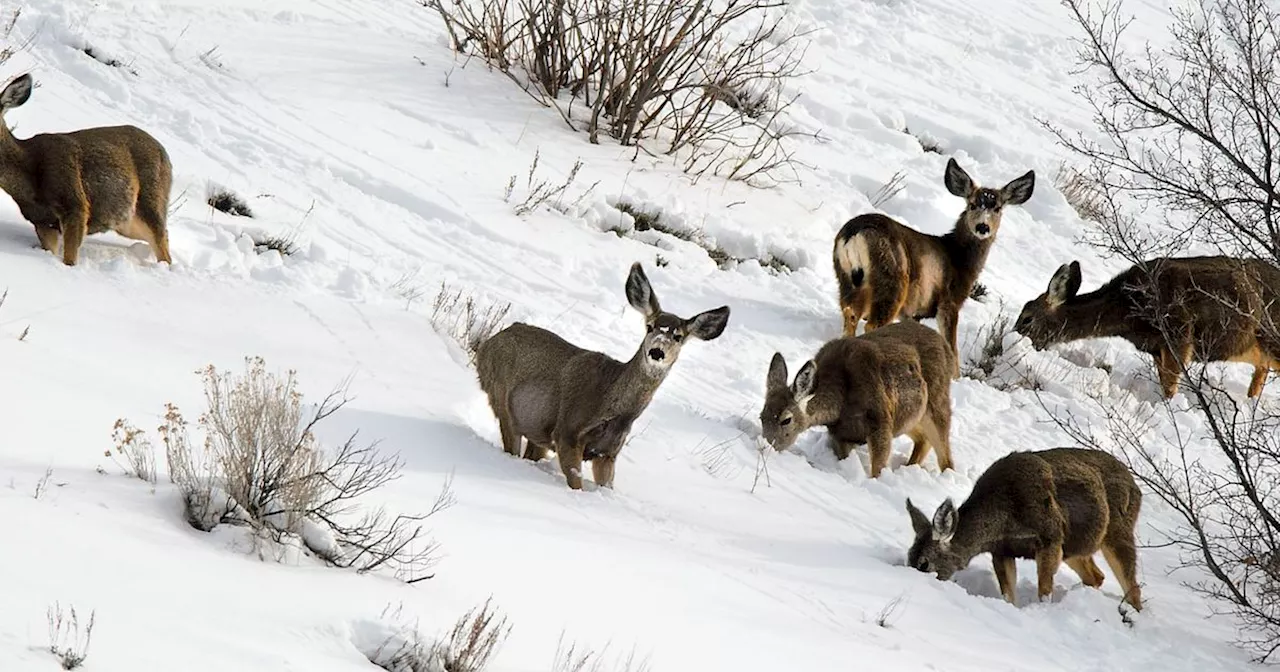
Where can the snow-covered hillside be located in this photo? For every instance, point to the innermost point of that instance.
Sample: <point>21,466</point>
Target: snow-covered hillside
<point>349,123</point>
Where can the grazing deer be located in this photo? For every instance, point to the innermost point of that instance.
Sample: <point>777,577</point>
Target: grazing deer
<point>867,389</point>
<point>1053,506</point>
<point>1176,309</point>
<point>577,402</point>
<point>887,270</point>
<point>69,185</point>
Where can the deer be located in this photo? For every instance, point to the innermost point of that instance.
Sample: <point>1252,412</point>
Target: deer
<point>1175,309</point>
<point>867,389</point>
<point>69,185</point>
<point>581,403</point>
<point>1055,506</point>
<point>886,270</point>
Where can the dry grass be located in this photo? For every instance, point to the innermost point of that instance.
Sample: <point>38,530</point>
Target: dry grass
<point>466,320</point>
<point>1082,192</point>
<point>67,641</point>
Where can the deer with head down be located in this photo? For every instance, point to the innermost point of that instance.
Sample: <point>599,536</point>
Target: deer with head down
<point>69,185</point>
<point>1176,309</point>
<point>1053,506</point>
<point>867,389</point>
<point>578,402</point>
<point>887,270</point>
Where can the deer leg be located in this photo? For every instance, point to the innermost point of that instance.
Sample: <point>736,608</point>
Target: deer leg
<point>1085,568</point>
<point>602,471</point>
<point>510,437</point>
<point>571,464</point>
<point>1259,377</point>
<point>534,452</point>
<point>74,228</point>
<point>937,430</point>
<point>1168,371</point>
<point>1006,576</point>
<point>1123,559</point>
<point>920,445</point>
<point>842,449</point>
<point>880,446</point>
<point>948,319</point>
<point>48,237</point>
<point>1047,562</point>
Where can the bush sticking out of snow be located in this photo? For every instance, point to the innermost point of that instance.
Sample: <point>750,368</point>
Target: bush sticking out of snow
<point>1083,193</point>
<point>466,320</point>
<point>7,49</point>
<point>577,658</point>
<point>223,199</point>
<point>540,192</point>
<point>106,60</point>
<point>702,83</point>
<point>261,466</point>
<point>397,646</point>
<point>133,445</point>
<point>978,292</point>
<point>990,347</point>
<point>889,190</point>
<point>67,642</point>
<point>927,143</point>
<point>649,218</point>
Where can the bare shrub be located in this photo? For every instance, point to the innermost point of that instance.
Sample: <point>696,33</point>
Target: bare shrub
<point>133,445</point>
<point>464,319</point>
<point>979,291</point>
<point>1083,194</point>
<point>285,245</point>
<point>223,199</point>
<point>67,641</point>
<point>540,192</point>
<point>648,219</point>
<point>575,657</point>
<point>990,338</point>
<point>262,466</point>
<point>889,190</point>
<point>927,144</point>
<point>889,612</point>
<point>7,24</point>
<point>473,640</point>
<point>1191,127</point>
<point>467,647</point>
<point>703,82</point>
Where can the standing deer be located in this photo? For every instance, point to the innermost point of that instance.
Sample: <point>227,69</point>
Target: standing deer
<point>887,270</point>
<point>581,403</point>
<point>1053,506</point>
<point>867,389</point>
<point>1176,309</point>
<point>69,185</point>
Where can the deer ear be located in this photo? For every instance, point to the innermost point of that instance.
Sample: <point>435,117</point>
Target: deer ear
<point>777,378</point>
<point>708,325</point>
<point>802,388</point>
<point>1020,189</point>
<point>919,522</point>
<point>957,181</point>
<point>944,521</point>
<point>1065,283</point>
<point>16,93</point>
<point>640,294</point>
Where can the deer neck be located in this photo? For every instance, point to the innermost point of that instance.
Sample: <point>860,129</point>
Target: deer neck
<point>1091,315</point>
<point>636,382</point>
<point>13,161</point>
<point>825,405</point>
<point>968,253</point>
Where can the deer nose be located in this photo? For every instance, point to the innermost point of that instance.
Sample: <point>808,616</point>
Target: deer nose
<point>656,354</point>
<point>982,229</point>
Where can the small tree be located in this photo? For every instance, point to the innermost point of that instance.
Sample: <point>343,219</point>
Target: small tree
<point>1194,128</point>
<point>262,465</point>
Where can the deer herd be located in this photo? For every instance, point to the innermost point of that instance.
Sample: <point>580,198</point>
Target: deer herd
<point>1053,506</point>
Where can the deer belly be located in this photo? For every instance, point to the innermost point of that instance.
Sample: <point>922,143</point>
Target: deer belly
<point>534,407</point>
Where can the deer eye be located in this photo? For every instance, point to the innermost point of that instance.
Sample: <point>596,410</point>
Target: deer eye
<point>785,421</point>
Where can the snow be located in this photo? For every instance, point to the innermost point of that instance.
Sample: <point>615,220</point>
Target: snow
<point>349,123</point>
